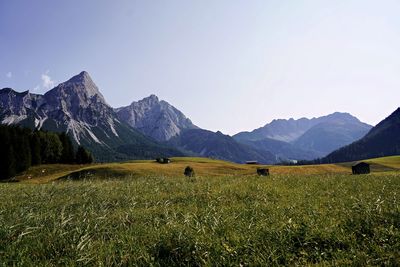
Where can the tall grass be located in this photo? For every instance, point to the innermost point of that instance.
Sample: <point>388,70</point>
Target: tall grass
<point>278,220</point>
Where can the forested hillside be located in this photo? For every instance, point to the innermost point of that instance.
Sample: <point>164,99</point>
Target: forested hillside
<point>21,148</point>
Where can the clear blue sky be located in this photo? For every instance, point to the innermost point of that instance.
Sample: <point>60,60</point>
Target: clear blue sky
<point>228,65</point>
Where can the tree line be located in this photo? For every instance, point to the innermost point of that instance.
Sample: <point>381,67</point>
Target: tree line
<point>21,148</point>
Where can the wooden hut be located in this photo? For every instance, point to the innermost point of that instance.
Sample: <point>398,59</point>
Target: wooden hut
<point>252,162</point>
<point>262,171</point>
<point>163,160</point>
<point>361,168</point>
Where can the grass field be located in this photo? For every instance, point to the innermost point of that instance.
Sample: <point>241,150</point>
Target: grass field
<point>144,213</point>
<point>202,166</point>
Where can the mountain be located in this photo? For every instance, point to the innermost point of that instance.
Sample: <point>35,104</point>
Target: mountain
<point>165,123</point>
<point>150,128</point>
<point>283,151</point>
<point>281,130</point>
<point>328,136</point>
<point>155,118</point>
<point>78,108</point>
<point>382,140</point>
<point>306,138</point>
<point>217,145</point>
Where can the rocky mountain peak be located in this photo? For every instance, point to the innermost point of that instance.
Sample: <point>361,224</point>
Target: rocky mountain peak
<point>81,86</point>
<point>6,90</point>
<point>78,101</point>
<point>151,99</point>
<point>84,81</point>
<point>82,78</point>
<point>155,118</point>
<point>341,116</point>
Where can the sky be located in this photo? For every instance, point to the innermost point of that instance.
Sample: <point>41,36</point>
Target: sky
<point>228,65</point>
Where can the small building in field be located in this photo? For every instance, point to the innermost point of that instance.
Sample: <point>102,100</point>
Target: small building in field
<point>163,160</point>
<point>252,162</point>
<point>262,171</point>
<point>361,168</point>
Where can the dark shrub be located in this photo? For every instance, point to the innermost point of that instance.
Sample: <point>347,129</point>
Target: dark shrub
<point>189,172</point>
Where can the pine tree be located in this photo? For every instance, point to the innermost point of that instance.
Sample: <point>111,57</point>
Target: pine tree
<point>22,150</point>
<point>67,154</point>
<point>35,149</point>
<point>83,156</point>
<point>10,163</point>
<point>50,147</point>
<point>7,156</point>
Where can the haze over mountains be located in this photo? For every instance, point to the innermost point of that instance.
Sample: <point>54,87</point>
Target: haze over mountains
<point>306,138</point>
<point>150,128</point>
<point>382,140</point>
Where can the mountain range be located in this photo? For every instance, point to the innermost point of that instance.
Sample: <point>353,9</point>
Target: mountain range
<point>382,140</point>
<point>78,108</point>
<point>151,128</point>
<point>306,138</point>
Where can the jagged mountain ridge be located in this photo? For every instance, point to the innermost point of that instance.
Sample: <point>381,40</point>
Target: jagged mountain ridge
<point>306,138</point>
<point>155,118</point>
<point>291,129</point>
<point>382,140</point>
<point>279,129</point>
<point>164,122</point>
<point>78,108</point>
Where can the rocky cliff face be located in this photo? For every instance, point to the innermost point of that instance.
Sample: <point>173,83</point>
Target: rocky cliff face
<point>155,118</point>
<point>78,105</point>
<point>75,106</point>
<point>16,107</point>
<point>78,108</point>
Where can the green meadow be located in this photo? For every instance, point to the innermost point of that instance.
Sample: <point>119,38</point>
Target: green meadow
<point>147,214</point>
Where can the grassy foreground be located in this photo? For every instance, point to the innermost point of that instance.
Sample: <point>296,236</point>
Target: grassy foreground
<point>284,219</point>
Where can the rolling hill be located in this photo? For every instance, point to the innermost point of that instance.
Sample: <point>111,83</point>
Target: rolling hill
<point>202,166</point>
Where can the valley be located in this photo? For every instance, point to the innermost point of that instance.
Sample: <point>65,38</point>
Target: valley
<point>151,128</point>
<point>199,133</point>
<point>204,167</point>
<point>146,213</point>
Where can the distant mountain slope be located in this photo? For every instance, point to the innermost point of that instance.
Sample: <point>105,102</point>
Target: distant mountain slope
<point>282,150</point>
<point>78,108</point>
<point>290,130</point>
<point>382,140</point>
<point>164,122</point>
<point>306,138</point>
<point>219,146</point>
<point>325,137</point>
<point>281,130</point>
<point>155,118</point>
